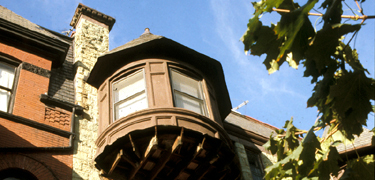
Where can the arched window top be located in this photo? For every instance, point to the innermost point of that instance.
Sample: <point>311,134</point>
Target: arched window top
<point>16,174</point>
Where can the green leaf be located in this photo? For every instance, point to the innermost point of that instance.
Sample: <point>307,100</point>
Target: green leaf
<point>271,4</point>
<point>291,139</point>
<point>329,164</point>
<point>267,43</point>
<point>333,12</point>
<point>351,57</point>
<point>310,144</point>
<point>271,145</point>
<point>352,95</point>
<point>290,25</point>
<point>361,168</point>
<point>248,38</point>
<point>324,47</point>
<point>346,28</point>
<point>299,162</point>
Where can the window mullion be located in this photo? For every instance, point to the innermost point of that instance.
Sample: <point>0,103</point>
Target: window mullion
<point>188,95</point>
<point>5,88</point>
<point>130,97</point>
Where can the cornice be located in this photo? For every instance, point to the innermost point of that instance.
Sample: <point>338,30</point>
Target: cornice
<point>92,13</point>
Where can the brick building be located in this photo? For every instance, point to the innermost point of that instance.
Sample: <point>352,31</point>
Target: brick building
<point>150,109</point>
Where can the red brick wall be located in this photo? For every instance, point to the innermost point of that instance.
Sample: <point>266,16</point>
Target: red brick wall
<point>45,166</point>
<point>26,56</point>
<point>27,104</point>
<point>19,135</point>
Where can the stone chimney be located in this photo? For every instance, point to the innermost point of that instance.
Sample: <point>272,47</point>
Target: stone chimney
<point>90,41</point>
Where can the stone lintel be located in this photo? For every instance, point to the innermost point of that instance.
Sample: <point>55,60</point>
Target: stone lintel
<point>92,15</point>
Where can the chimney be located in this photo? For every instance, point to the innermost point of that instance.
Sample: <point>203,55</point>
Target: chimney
<point>90,41</point>
<point>91,36</point>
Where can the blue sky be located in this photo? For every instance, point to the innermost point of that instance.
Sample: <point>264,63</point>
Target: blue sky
<point>212,27</point>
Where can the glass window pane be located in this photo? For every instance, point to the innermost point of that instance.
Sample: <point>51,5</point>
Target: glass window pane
<point>186,102</point>
<point>129,86</point>
<point>4,100</point>
<point>132,105</point>
<point>255,167</point>
<point>186,84</point>
<point>6,75</point>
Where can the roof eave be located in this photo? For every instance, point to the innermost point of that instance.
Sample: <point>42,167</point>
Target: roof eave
<point>54,49</point>
<point>169,49</point>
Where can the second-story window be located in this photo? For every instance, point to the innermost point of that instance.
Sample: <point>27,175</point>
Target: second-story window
<point>129,94</point>
<point>187,92</point>
<point>6,85</point>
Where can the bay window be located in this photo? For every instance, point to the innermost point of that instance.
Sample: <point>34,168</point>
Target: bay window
<point>187,92</point>
<point>7,73</point>
<point>129,94</point>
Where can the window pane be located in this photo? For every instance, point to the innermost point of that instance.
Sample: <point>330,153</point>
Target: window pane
<point>190,103</point>
<point>6,75</point>
<point>129,106</point>
<point>255,166</point>
<point>186,84</point>
<point>4,99</point>
<point>129,86</point>
<point>129,95</point>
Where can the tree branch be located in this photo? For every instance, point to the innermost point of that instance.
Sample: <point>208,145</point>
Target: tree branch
<point>363,17</point>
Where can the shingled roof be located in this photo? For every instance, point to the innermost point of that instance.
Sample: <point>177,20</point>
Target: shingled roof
<point>365,139</point>
<point>144,38</point>
<point>12,17</point>
<point>23,33</point>
<point>149,45</point>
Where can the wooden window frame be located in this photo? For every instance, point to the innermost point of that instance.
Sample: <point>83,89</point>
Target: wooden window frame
<point>201,87</point>
<point>122,78</point>
<point>17,69</point>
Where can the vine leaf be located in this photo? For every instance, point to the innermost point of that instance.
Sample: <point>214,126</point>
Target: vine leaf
<point>351,101</point>
<point>350,56</point>
<point>329,164</point>
<point>361,168</point>
<point>248,38</point>
<point>290,25</point>
<point>299,162</point>
<point>290,137</point>
<point>324,46</point>
<point>272,3</point>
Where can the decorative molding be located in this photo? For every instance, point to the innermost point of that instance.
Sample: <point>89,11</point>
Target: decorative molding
<point>91,13</point>
<point>36,70</point>
<point>61,104</point>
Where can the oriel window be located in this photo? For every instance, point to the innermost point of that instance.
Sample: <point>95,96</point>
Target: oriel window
<point>187,92</point>
<point>129,94</point>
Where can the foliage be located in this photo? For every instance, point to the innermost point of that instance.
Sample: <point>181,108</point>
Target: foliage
<point>342,92</point>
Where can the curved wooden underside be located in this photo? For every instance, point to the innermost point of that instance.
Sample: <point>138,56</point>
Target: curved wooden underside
<point>167,152</point>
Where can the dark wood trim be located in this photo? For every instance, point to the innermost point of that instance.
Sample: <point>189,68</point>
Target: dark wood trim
<point>14,88</point>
